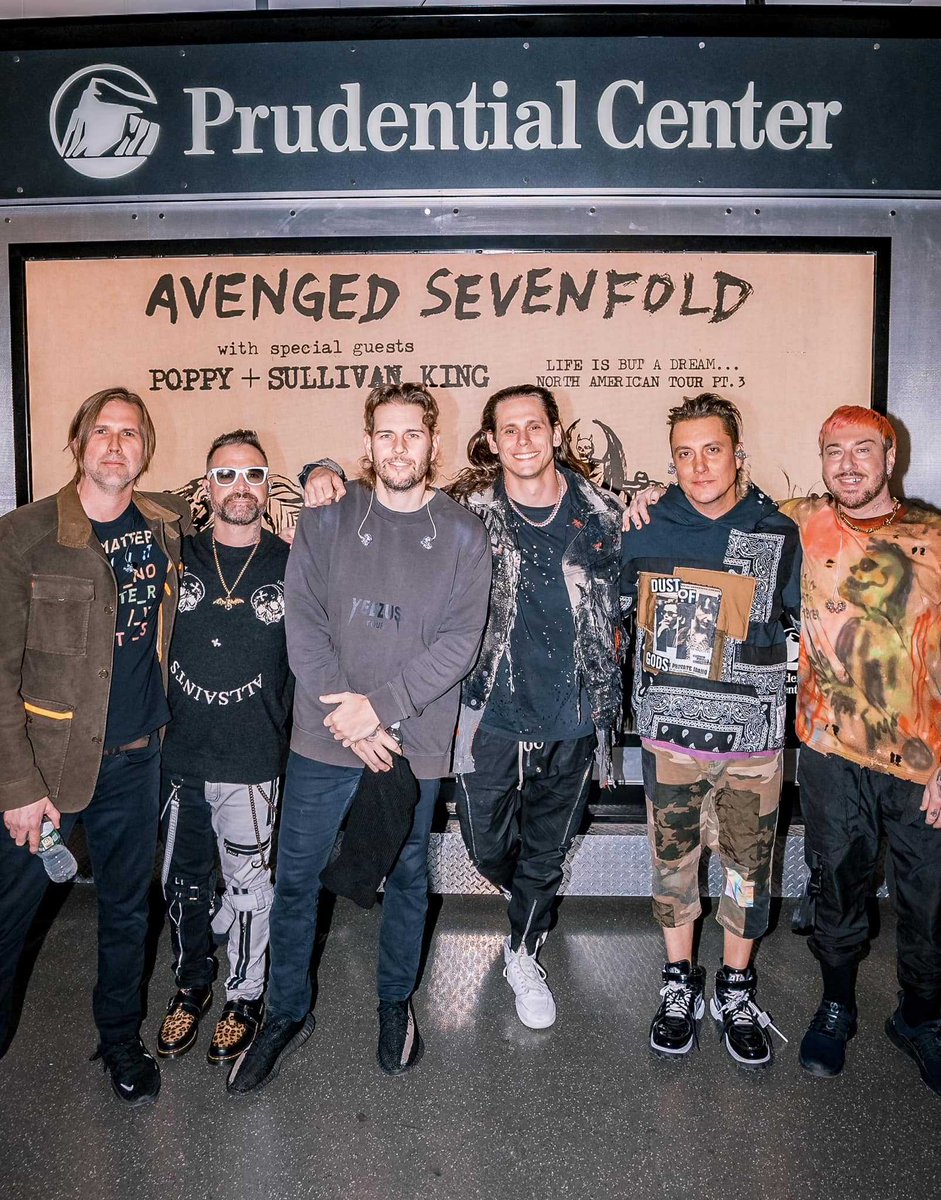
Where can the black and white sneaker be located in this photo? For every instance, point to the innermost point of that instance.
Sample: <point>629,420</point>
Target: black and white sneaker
<point>400,1045</point>
<point>743,1026</point>
<point>261,1062</point>
<point>135,1076</point>
<point>673,1030</point>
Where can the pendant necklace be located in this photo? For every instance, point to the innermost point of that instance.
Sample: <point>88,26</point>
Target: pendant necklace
<point>228,601</point>
<point>563,487</point>
<point>834,605</point>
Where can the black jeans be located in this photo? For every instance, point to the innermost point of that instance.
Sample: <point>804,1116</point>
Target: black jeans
<point>847,809</point>
<point>121,831</point>
<point>519,811</point>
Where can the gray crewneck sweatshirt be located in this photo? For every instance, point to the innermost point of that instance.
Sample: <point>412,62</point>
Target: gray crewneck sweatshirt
<point>392,620</point>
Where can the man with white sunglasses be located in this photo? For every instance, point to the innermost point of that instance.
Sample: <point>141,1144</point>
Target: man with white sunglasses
<point>230,695</point>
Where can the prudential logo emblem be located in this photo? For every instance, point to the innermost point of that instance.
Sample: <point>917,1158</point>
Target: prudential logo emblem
<point>98,122</point>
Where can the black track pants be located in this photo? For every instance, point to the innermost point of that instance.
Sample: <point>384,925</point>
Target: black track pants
<point>519,811</point>
<point>847,809</point>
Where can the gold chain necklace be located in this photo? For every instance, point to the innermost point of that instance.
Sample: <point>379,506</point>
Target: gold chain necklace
<point>563,487</point>
<point>228,601</point>
<point>872,528</point>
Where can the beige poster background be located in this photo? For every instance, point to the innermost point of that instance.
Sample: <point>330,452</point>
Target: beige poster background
<point>290,345</point>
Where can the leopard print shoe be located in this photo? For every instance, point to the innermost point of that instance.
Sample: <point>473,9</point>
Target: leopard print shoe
<point>235,1030</point>
<point>181,1024</point>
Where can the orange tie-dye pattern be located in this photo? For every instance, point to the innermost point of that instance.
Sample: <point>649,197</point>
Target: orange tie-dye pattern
<point>870,666</point>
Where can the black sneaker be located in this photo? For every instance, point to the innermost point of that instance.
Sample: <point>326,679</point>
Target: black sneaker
<point>135,1076</point>
<point>673,1029</point>
<point>279,1037</point>
<point>743,1026</point>
<point>400,1044</point>
<point>920,1042</point>
<point>823,1047</point>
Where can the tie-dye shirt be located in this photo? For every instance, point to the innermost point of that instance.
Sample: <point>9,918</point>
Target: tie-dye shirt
<point>870,651</point>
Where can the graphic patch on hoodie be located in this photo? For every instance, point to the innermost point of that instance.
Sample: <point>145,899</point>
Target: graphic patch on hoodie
<point>688,617</point>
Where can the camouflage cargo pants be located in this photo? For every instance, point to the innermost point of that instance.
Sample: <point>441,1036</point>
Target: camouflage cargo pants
<point>729,806</point>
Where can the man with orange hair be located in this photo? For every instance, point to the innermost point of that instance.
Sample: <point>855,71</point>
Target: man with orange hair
<point>869,720</point>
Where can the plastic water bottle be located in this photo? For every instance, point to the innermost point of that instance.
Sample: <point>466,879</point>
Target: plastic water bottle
<point>57,858</point>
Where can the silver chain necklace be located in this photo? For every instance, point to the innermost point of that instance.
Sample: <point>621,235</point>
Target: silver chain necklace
<point>563,488</point>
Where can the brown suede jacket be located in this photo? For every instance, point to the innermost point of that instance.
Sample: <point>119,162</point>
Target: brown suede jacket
<point>57,621</point>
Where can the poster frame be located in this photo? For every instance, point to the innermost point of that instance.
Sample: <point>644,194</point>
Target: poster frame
<point>22,254</point>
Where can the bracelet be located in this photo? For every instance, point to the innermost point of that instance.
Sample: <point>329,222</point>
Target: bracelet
<point>371,737</point>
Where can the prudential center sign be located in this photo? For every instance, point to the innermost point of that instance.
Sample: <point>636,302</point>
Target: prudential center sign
<point>102,121</point>
<point>481,114</point>
<point>627,116</point>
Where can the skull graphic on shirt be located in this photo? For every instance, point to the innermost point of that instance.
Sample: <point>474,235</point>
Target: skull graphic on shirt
<point>192,590</point>
<point>268,603</point>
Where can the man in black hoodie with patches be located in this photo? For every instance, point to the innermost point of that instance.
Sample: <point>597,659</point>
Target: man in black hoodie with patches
<point>712,580</point>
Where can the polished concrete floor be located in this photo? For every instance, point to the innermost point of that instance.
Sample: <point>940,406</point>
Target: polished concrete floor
<point>582,1110</point>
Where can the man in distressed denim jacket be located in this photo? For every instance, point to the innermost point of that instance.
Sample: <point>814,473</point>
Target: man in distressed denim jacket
<point>544,699</point>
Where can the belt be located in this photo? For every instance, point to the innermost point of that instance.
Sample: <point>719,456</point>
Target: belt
<point>138,744</point>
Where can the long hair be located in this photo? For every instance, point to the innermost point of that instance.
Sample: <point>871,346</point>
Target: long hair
<point>85,420</point>
<point>485,465</point>
<point>399,393</point>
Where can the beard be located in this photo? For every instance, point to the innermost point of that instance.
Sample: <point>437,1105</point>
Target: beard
<point>399,481</point>
<point>854,500</point>
<point>111,480</point>
<point>238,510</point>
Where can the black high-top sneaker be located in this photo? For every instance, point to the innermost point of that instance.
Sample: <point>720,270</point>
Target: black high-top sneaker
<point>673,1029</point>
<point>743,1026</point>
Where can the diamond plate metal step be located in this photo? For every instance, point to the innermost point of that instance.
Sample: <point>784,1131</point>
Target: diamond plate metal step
<point>610,860</point>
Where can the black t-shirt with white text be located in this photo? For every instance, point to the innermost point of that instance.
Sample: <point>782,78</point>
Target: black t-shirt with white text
<point>137,704</point>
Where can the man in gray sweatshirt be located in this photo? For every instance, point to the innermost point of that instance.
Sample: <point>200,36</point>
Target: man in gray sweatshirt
<point>385,602</point>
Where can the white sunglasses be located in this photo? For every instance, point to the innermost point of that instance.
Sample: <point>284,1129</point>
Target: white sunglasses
<point>226,476</point>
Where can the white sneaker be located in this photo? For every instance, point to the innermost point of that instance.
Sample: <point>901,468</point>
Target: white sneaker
<point>534,1004</point>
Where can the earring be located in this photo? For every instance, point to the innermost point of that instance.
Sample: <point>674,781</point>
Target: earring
<point>671,469</point>
<point>743,475</point>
